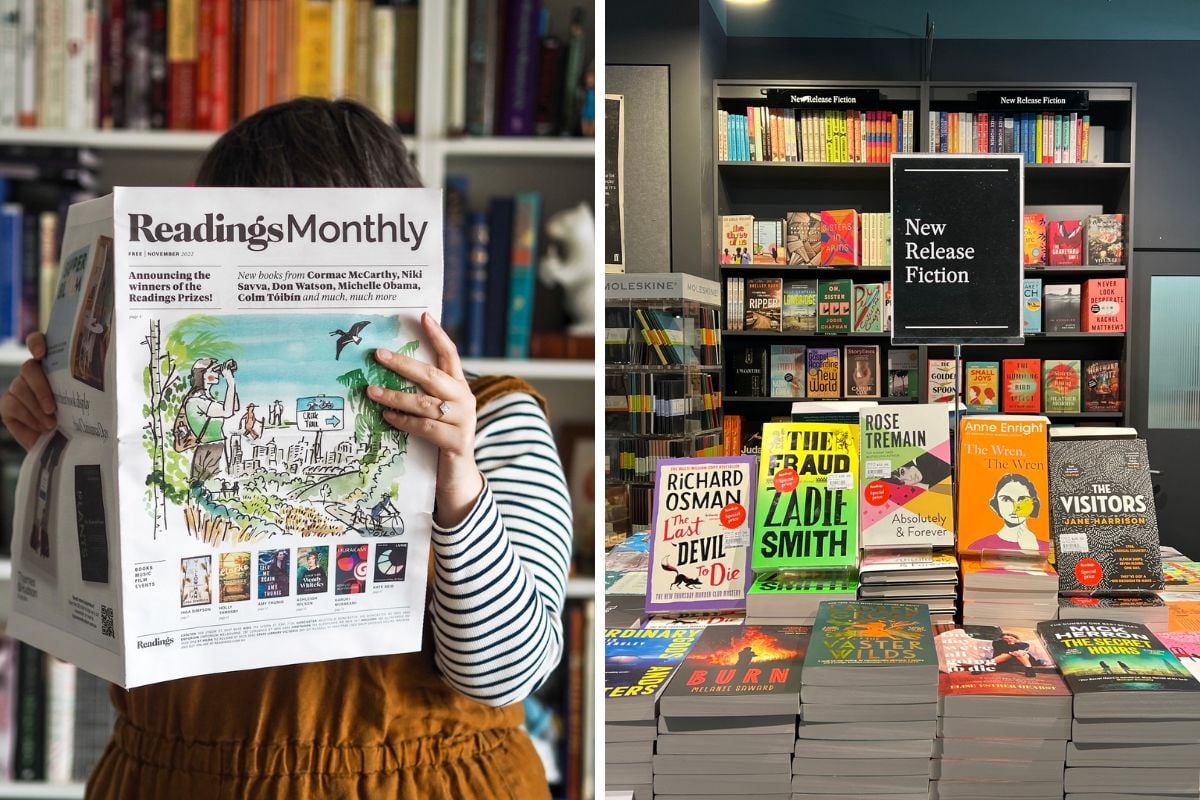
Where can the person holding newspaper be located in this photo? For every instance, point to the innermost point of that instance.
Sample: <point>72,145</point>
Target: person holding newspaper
<point>437,724</point>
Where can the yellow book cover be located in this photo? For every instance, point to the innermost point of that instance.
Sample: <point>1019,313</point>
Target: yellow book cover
<point>314,65</point>
<point>1003,493</point>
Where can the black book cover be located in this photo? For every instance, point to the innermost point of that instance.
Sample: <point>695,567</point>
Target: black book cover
<point>1096,656</point>
<point>90,524</point>
<point>500,223</point>
<point>747,371</point>
<point>29,749</point>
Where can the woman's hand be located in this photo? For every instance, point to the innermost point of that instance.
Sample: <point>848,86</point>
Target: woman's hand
<point>28,408</point>
<point>459,482</point>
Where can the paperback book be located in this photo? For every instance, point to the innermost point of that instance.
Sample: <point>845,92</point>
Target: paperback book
<point>941,381</point>
<point>736,230</point>
<point>638,663</point>
<point>764,304</point>
<point>1031,308</point>
<point>1065,242</point>
<point>839,238</point>
<point>1035,239</point>
<point>908,492</point>
<point>861,372</point>
<point>983,387</point>
<point>872,635</point>
<point>1104,305</point>
<point>768,242</point>
<point>1105,239</point>
<point>1061,307</point>
<point>902,366</point>
<point>789,370</point>
<point>1104,519</point>
<point>834,302</point>
<point>1098,656</point>
<point>1003,492</point>
<point>803,238</point>
<point>868,308</point>
<point>993,660</point>
<point>1022,386</point>
<point>1061,387</point>
<point>800,306</point>
<point>1102,385</point>
<point>806,508</point>
<point>824,372</point>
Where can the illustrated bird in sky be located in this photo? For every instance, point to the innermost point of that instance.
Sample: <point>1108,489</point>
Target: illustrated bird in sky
<point>346,337</point>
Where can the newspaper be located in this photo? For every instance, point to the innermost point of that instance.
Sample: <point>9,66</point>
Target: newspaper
<point>220,494</point>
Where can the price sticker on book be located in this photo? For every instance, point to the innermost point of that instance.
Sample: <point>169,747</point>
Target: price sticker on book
<point>738,538</point>
<point>1073,543</point>
<point>840,480</point>
<point>878,469</point>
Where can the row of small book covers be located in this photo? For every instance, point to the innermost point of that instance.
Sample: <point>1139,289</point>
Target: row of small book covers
<point>841,305</point>
<point>876,700</point>
<point>860,136</point>
<point>846,237</point>
<point>203,64</point>
<point>1013,385</point>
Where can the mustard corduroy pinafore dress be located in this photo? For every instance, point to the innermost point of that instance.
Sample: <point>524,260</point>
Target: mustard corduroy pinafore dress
<point>364,728</point>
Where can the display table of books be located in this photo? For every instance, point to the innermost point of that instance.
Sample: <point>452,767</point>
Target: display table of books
<point>854,665</point>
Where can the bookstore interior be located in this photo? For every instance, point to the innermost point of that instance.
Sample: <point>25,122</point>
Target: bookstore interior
<point>495,102</point>
<point>898,401</point>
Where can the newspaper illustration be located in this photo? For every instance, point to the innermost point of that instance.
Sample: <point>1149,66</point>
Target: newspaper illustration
<point>220,493</point>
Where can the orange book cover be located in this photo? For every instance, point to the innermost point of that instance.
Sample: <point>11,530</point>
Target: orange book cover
<point>1003,491</point>
<point>220,109</point>
<point>1035,239</point>
<point>1104,305</point>
<point>272,27</point>
<point>1022,386</point>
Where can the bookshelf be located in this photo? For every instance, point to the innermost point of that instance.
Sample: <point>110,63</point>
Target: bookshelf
<point>770,189</point>
<point>560,168</point>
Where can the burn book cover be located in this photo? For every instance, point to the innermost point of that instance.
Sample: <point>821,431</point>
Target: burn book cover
<point>750,659</point>
<point>1098,656</point>
<point>1104,521</point>
<point>700,534</point>
<point>806,507</point>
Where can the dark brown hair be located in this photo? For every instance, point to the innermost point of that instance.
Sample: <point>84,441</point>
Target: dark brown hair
<point>309,142</point>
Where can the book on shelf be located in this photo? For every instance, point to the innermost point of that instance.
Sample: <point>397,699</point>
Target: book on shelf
<point>1104,521</point>
<point>1105,237</point>
<point>1034,226</point>
<point>1022,389</point>
<point>789,374</point>
<point>839,238</point>
<point>736,233</point>
<point>834,305</point>
<point>861,371</point>
<point>1031,307</point>
<point>806,506</point>
<point>824,372</point>
<point>1003,497</point>
<point>1064,242</point>
<point>748,372</point>
<point>907,496</point>
<point>700,534</point>
<point>799,306</point>
<point>941,380</point>
<point>1061,386</point>
<point>1103,306</point>
<point>768,246</point>
<point>1102,385</point>
<point>982,387</point>
<point>764,304</point>
<point>637,665</point>
<point>868,312</point>
<point>803,238</point>
<point>1060,307</point>
<point>902,364</point>
<point>761,133</point>
<point>1030,133</point>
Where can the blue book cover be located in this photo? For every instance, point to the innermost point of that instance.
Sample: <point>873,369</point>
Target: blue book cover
<point>477,275</point>
<point>527,222</point>
<point>500,223</point>
<point>454,282</point>
<point>12,263</point>
<point>639,660</point>
<point>1031,306</point>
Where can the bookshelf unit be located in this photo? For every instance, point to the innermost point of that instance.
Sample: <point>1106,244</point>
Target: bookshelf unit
<point>561,168</point>
<point>769,190</point>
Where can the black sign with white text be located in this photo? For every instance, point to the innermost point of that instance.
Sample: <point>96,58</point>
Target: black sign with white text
<point>1019,100</point>
<point>822,98</point>
<point>957,268</point>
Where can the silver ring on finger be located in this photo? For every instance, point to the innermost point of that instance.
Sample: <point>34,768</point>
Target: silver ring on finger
<point>443,409</point>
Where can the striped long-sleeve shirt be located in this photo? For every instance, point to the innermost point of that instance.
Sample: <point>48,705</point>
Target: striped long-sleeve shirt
<point>500,576</point>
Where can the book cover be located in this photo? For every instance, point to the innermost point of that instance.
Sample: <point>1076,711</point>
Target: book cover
<point>1184,645</point>
<point>234,576</point>
<point>789,373</point>
<point>1065,243</point>
<point>940,382</point>
<point>1103,308</point>
<point>1060,386</point>
<point>800,306</point>
<point>806,507</point>
<point>1035,238</point>
<point>1104,519</point>
<point>527,215</point>
<point>868,308</point>
<point>907,497</point>
<point>1060,303</point>
<point>814,582</point>
<point>1181,576</point>
<point>1102,385</point>
<point>736,661</point>
<point>824,372</point>
<point>803,238</point>
<point>1009,661</point>
<point>902,372</point>
<point>764,304</point>
<point>1031,309</point>
<point>839,238</point>
<point>638,662</point>
<point>747,372</point>
<point>274,573</point>
<point>1003,491</point>
<point>982,387</point>
<point>1105,235</point>
<point>736,230</point>
<point>1113,657</point>
<point>1022,386</point>
<point>834,305</point>
<point>861,634</point>
<point>768,242</point>
<point>700,534</point>
<point>861,374</point>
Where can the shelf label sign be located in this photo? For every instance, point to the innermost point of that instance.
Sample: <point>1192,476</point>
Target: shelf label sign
<point>957,266</point>
<point>1018,100</point>
<point>823,97</point>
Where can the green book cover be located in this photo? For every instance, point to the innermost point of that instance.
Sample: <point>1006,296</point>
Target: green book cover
<point>1061,386</point>
<point>871,634</point>
<point>772,583</point>
<point>834,305</point>
<point>806,507</point>
<point>800,306</point>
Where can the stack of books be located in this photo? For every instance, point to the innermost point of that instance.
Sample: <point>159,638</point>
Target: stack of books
<point>1147,609</point>
<point>728,717</point>
<point>1017,592</point>
<point>868,703</point>
<point>1136,726</point>
<point>1005,716</point>
<point>792,598</point>
<point>637,665</point>
<point>912,576</point>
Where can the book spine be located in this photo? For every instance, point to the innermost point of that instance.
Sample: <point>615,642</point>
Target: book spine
<point>500,219</point>
<point>314,70</point>
<point>27,57</point>
<point>48,271</point>
<point>522,278</point>
<point>27,321</point>
<point>11,265</point>
<point>10,48</point>
<point>74,71</point>
<point>406,65</point>
<point>383,59</point>
<point>112,86</point>
<point>361,63</point>
<point>158,64</point>
<point>221,103</point>
<point>480,86</point>
<point>52,58</point>
<point>1087,127</point>
<point>60,720</point>
<point>339,34</point>
<point>29,754</point>
<point>205,13</point>
<point>477,278</point>
<point>457,255</point>
<point>272,83</point>
<point>549,89</point>
<point>182,57</point>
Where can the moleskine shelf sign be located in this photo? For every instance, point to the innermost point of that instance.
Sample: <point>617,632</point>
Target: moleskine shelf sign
<point>957,268</point>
